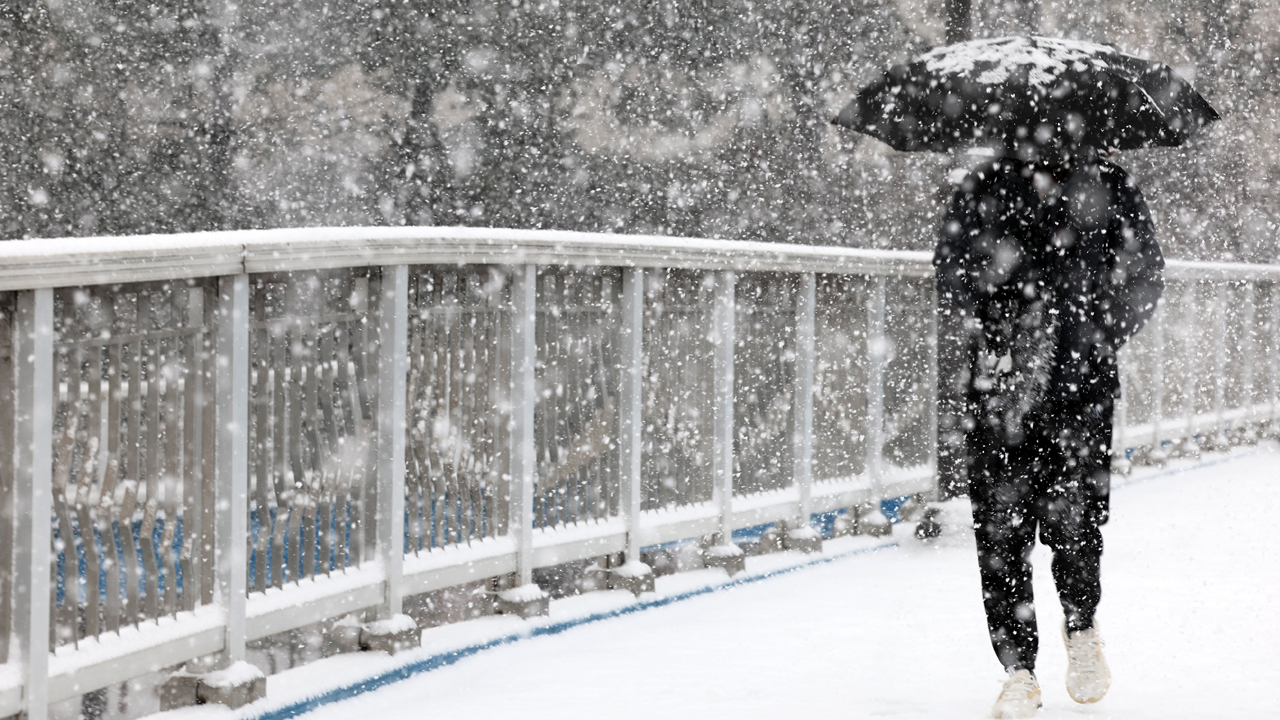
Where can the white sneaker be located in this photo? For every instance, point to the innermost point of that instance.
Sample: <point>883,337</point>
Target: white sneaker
<point>1088,677</point>
<point>1020,697</point>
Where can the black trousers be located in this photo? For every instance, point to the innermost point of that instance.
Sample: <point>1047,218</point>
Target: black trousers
<point>1056,481</point>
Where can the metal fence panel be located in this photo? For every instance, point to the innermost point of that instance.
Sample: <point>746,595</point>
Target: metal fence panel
<point>457,459</point>
<point>677,388</point>
<point>908,382</point>
<point>576,417</point>
<point>764,381</point>
<point>129,460</point>
<point>840,377</point>
<point>311,426</point>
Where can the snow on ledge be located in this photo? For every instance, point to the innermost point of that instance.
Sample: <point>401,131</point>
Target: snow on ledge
<point>312,589</point>
<point>523,594</point>
<point>393,625</point>
<point>64,262</point>
<point>238,673</point>
<point>111,647</point>
<point>434,559</point>
<point>632,569</point>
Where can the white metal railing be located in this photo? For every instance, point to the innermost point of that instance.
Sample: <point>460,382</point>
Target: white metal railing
<point>225,436</point>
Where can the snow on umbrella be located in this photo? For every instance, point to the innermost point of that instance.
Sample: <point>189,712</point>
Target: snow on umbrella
<point>1028,96</point>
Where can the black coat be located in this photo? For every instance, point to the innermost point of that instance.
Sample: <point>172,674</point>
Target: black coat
<point>1052,271</point>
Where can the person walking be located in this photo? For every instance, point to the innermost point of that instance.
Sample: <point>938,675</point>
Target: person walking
<point>1051,266</point>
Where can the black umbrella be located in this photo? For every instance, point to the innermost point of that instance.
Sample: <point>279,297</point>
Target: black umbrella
<point>1028,96</point>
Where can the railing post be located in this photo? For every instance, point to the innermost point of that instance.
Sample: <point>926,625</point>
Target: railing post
<point>1157,381</point>
<point>1220,440</point>
<point>33,493</point>
<point>929,525</point>
<point>232,453</point>
<point>1119,437</point>
<point>393,631</point>
<point>633,575</point>
<point>231,514</point>
<point>870,520</point>
<point>1274,357</point>
<point>724,554</point>
<point>393,333</point>
<point>525,599</point>
<point>1249,309</point>
<point>934,398</point>
<point>802,536</point>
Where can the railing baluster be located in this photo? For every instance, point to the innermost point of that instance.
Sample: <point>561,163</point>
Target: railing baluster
<point>106,503</point>
<point>311,431</point>
<point>135,475</point>
<point>91,474</point>
<point>193,448</point>
<point>278,490</point>
<point>151,350</point>
<point>265,445</point>
<point>67,613</point>
<point>393,329</point>
<point>33,484</point>
<point>172,452</point>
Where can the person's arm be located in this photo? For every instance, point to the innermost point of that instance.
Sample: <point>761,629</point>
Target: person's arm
<point>951,257</point>
<point>1129,291</point>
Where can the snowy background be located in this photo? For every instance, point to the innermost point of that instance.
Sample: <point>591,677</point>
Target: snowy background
<point>699,118</point>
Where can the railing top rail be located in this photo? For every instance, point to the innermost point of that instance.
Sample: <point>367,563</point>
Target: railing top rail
<point>27,264</point>
<point>64,262</point>
<point>1197,270</point>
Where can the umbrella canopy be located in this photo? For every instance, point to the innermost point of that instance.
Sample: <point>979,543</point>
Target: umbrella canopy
<point>1029,96</point>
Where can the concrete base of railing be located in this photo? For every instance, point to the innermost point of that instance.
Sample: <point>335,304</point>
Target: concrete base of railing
<point>237,685</point>
<point>527,601</point>
<point>843,525</point>
<point>391,636</point>
<point>728,557</point>
<point>868,520</point>
<point>794,535</point>
<point>772,540</point>
<point>634,577</point>
<point>803,539</point>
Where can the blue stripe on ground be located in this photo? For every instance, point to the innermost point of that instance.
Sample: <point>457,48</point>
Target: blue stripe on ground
<point>445,659</point>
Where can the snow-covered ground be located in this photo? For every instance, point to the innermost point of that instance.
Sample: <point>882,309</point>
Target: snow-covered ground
<point>1191,585</point>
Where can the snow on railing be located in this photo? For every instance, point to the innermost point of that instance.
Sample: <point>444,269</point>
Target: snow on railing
<point>222,437</point>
